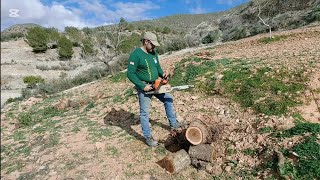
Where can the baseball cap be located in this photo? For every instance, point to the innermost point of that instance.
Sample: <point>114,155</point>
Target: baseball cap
<point>152,37</point>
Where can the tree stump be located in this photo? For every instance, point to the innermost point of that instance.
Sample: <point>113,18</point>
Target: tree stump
<point>176,162</point>
<point>203,152</point>
<point>198,133</point>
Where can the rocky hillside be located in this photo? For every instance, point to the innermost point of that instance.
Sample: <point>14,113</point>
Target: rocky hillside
<point>262,95</point>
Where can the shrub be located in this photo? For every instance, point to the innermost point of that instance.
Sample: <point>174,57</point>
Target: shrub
<point>87,47</point>
<point>11,36</point>
<point>65,48</point>
<point>38,38</point>
<point>74,34</point>
<point>211,37</point>
<point>166,30</point>
<point>87,30</point>
<point>177,44</point>
<point>54,37</point>
<point>32,81</point>
<point>130,43</point>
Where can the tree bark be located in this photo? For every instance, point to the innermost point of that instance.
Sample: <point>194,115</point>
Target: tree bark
<point>203,152</point>
<point>176,162</point>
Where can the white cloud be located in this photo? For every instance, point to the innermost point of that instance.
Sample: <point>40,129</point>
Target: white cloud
<point>228,2</point>
<point>33,11</point>
<point>198,10</point>
<point>135,11</point>
<point>196,7</point>
<point>77,13</point>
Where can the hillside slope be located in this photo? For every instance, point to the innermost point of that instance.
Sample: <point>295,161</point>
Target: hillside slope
<point>100,136</point>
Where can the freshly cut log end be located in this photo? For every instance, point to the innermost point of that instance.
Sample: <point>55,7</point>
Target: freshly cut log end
<point>194,135</point>
<point>198,133</point>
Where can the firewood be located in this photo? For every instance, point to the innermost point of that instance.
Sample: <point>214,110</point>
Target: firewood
<point>198,133</point>
<point>177,161</point>
<point>203,152</point>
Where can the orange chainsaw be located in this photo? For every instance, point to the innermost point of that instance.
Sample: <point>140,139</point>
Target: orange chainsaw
<point>161,86</point>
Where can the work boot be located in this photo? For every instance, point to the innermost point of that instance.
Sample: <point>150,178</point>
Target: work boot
<point>151,142</point>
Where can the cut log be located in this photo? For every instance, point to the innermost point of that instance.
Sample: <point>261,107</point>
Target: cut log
<point>198,132</point>
<point>176,162</point>
<point>203,152</point>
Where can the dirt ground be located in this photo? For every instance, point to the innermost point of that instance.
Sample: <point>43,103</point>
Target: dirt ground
<point>101,139</point>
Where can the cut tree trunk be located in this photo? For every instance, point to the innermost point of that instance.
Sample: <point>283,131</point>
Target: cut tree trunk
<point>203,152</point>
<point>198,133</point>
<point>176,162</point>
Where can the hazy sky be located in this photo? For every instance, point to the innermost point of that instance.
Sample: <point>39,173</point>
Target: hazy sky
<point>90,13</point>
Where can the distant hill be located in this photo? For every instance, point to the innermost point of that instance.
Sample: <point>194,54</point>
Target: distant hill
<point>280,14</point>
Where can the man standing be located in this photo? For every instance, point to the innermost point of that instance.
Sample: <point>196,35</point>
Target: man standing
<point>143,69</point>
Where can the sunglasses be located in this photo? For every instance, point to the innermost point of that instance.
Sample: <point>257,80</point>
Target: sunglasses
<point>151,43</point>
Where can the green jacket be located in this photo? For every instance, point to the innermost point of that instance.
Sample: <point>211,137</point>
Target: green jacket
<point>143,67</point>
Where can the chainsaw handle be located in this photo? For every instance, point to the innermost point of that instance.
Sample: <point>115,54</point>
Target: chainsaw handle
<point>166,80</point>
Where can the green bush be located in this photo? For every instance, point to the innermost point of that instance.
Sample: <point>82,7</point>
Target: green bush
<point>130,43</point>
<point>87,47</point>
<point>65,48</point>
<point>32,81</point>
<point>166,30</point>
<point>211,37</point>
<point>11,36</point>
<point>54,37</point>
<point>38,39</point>
<point>73,34</point>
<point>87,31</point>
<point>176,44</point>
<point>25,119</point>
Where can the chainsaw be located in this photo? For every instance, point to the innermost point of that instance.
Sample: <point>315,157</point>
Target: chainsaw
<point>161,86</point>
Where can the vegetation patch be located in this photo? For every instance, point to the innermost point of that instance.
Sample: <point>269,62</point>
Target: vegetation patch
<point>265,89</point>
<point>307,164</point>
<point>32,81</point>
<point>275,38</point>
<point>38,115</point>
<point>121,76</point>
<point>299,129</point>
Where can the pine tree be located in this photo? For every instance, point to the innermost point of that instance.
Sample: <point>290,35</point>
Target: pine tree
<point>38,38</point>
<point>65,48</point>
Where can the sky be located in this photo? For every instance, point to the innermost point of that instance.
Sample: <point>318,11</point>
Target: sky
<point>92,13</point>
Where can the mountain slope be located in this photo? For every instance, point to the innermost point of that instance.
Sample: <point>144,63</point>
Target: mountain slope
<point>99,137</point>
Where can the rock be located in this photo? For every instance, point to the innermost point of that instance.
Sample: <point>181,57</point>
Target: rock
<point>221,112</point>
<point>259,138</point>
<point>227,168</point>
<point>31,101</point>
<point>146,177</point>
<point>180,103</point>
<point>194,97</point>
<point>73,104</point>
<point>100,145</point>
<point>209,168</point>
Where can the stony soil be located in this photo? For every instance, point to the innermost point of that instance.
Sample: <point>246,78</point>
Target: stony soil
<point>101,139</point>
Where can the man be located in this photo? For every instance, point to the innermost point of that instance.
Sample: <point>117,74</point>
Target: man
<point>143,69</point>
